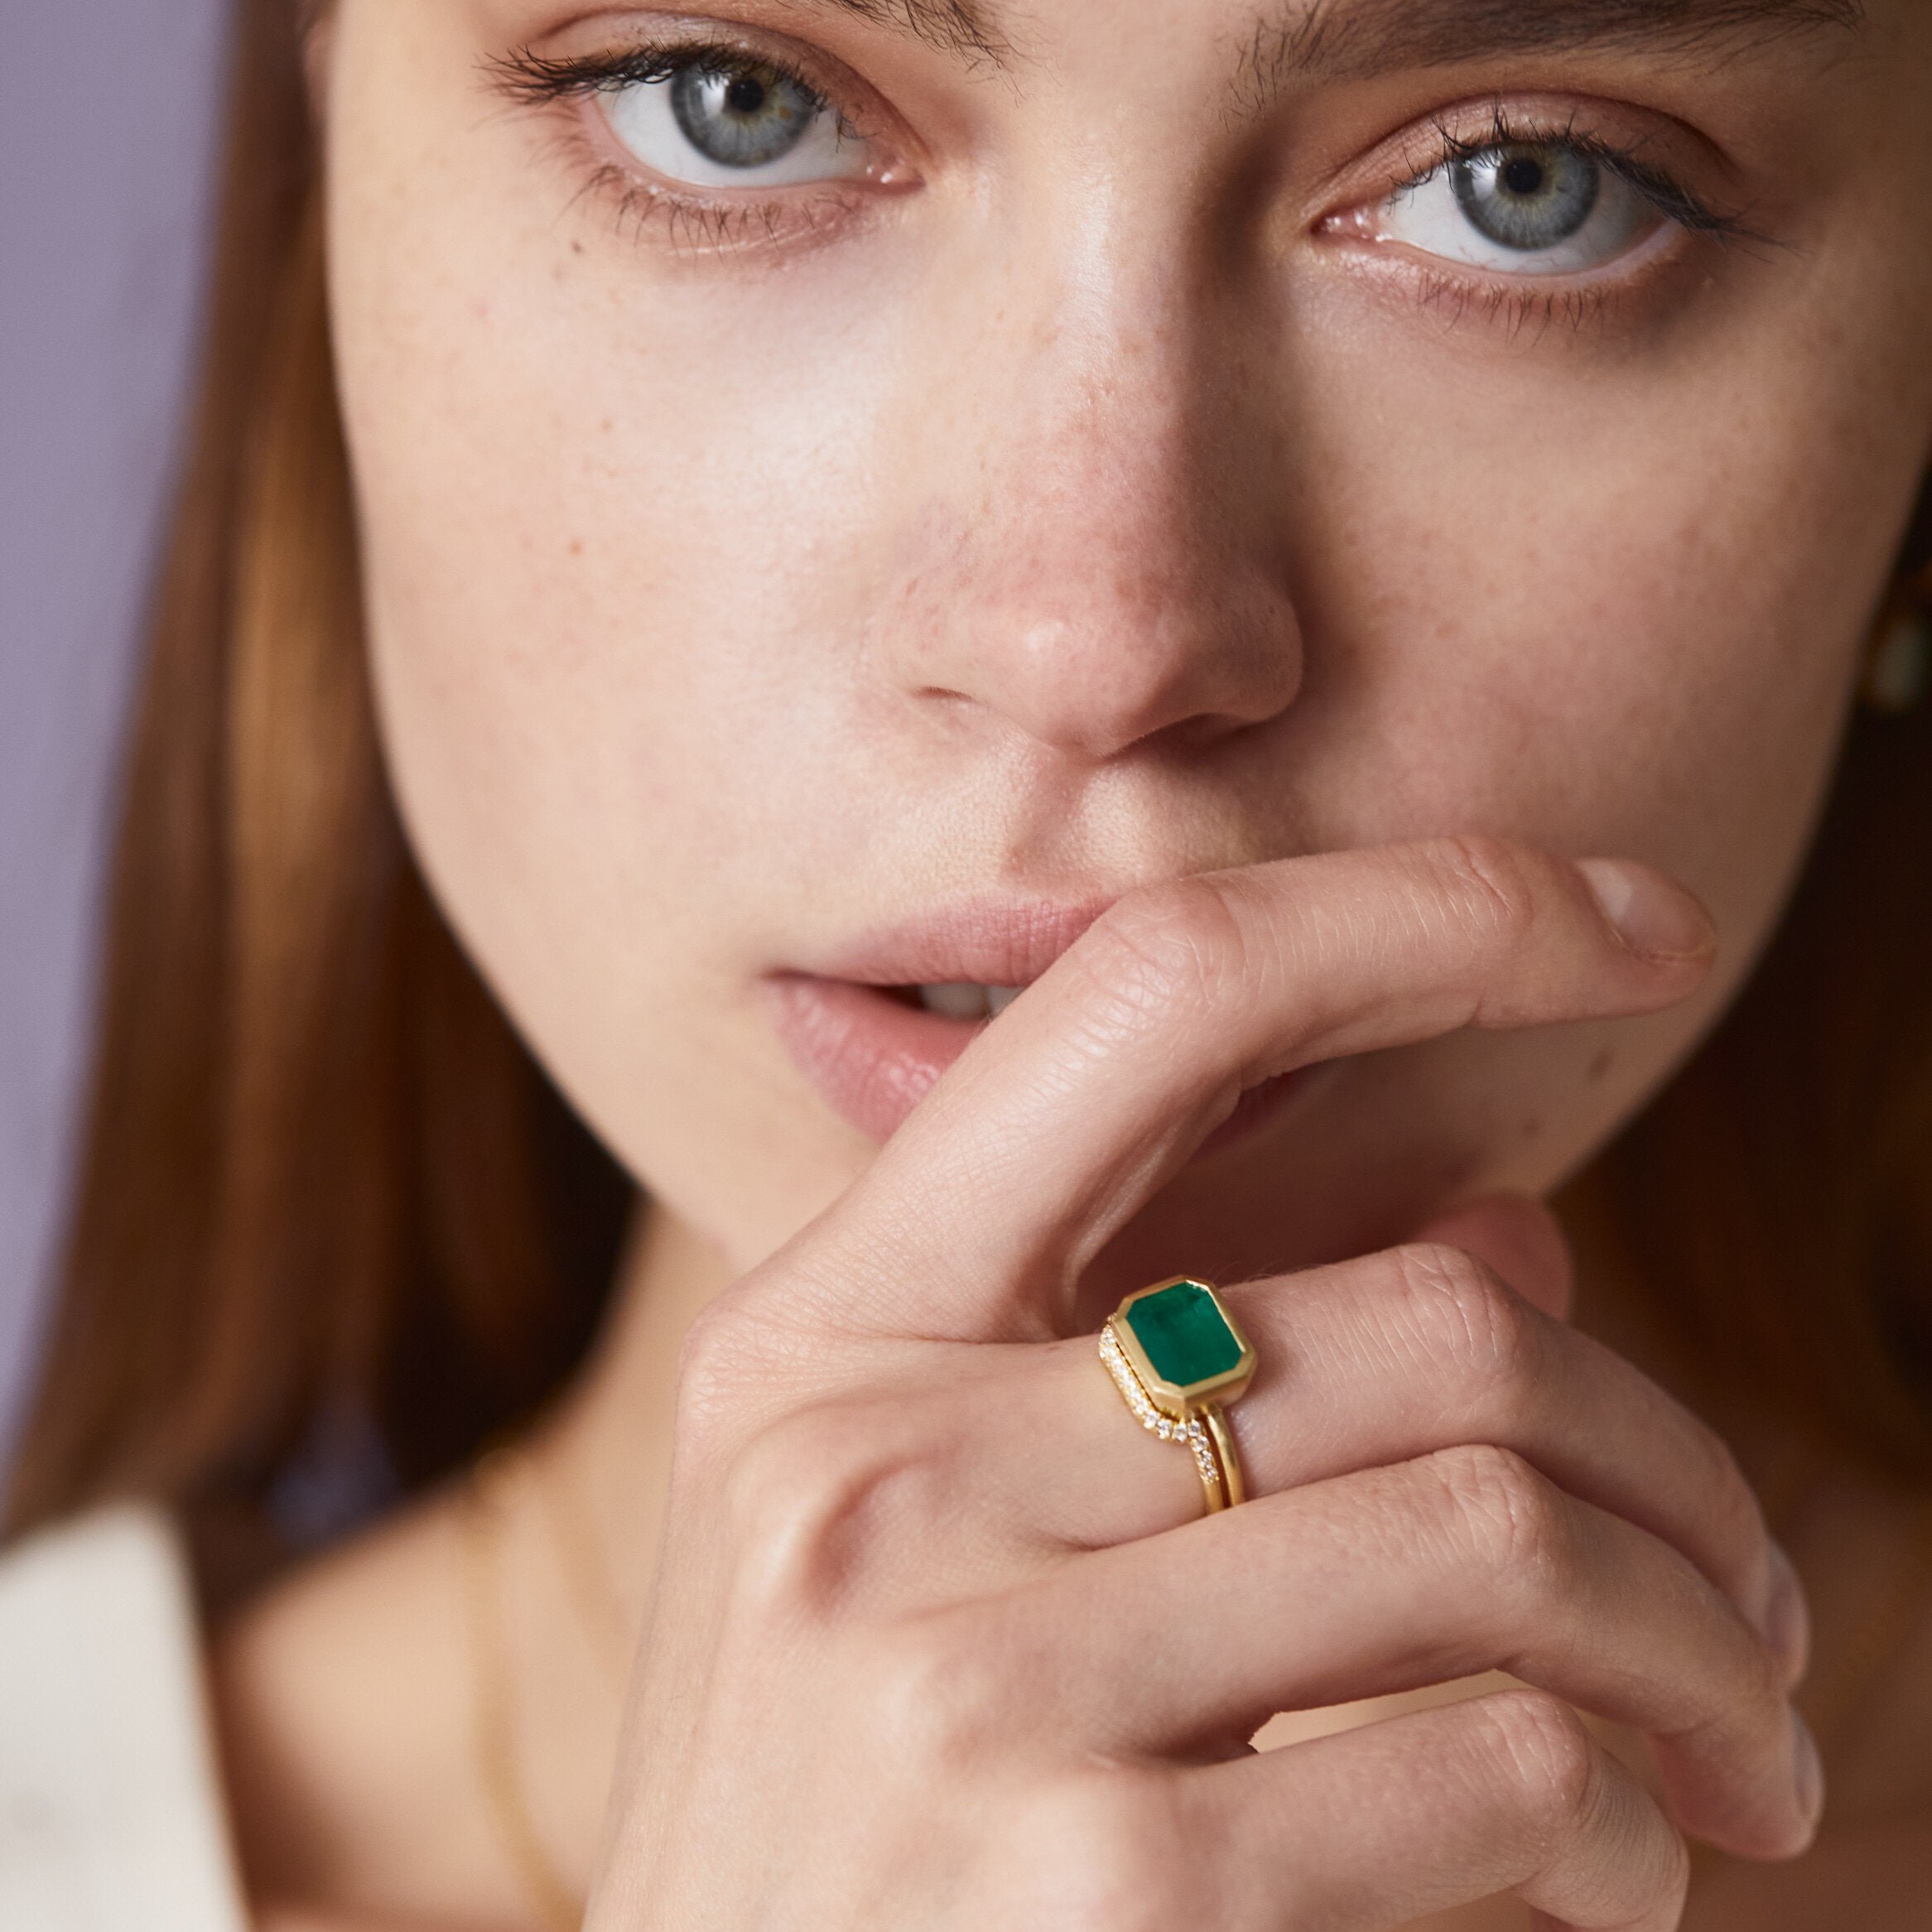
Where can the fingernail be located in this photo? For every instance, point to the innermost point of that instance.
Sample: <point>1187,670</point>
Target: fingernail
<point>1808,1770</point>
<point>1650,914</point>
<point>1786,1623</point>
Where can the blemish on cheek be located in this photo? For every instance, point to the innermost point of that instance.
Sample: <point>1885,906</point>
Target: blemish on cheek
<point>1600,1066</point>
<point>1532,1128</point>
<point>576,546</point>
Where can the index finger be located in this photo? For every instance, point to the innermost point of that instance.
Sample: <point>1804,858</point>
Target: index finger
<point>1062,1119</point>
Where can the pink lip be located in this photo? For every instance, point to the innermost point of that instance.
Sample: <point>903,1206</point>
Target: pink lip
<point>874,1058</point>
<point>986,943</point>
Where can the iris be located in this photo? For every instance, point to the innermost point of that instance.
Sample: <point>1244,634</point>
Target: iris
<point>742,116</point>
<point>1526,198</point>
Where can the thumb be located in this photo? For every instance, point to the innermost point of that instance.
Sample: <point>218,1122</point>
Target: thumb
<point>1516,1237</point>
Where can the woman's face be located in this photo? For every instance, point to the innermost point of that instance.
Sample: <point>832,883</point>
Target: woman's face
<point>843,506</point>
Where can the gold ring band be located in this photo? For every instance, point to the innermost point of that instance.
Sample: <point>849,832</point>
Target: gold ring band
<point>1223,1438</point>
<point>1191,1431</point>
<point>1177,1357</point>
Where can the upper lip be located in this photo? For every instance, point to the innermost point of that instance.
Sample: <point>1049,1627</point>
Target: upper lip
<point>987,942</point>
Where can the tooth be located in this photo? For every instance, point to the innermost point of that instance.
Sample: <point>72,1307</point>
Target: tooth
<point>1000,997</point>
<point>956,1000</point>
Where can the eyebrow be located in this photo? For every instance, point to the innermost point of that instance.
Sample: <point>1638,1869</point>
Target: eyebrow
<point>954,27</point>
<point>1351,39</point>
<point>1358,38</point>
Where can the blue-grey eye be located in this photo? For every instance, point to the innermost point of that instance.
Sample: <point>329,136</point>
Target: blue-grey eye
<point>722,120</point>
<point>1522,208</point>
<point>742,116</point>
<point>1527,198</point>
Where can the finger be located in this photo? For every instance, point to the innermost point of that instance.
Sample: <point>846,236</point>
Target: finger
<point>1394,1579</point>
<point>1518,1239</point>
<point>1377,1361</point>
<point>1064,1117</point>
<point>1420,1814</point>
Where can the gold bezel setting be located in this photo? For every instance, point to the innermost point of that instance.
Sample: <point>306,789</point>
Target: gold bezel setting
<point>1188,1413</point>
<point>1183,1398</point>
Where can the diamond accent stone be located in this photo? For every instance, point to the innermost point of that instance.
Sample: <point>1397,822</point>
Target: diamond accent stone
<point>1188,1431</point>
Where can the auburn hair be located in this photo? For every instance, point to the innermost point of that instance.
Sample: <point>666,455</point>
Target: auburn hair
<point>321,1174</point>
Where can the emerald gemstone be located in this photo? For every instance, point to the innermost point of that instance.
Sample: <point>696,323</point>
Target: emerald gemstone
<point>1185,1336</point>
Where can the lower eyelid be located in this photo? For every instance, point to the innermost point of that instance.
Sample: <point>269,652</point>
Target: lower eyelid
<point>1519,306</point>
<point>1665,238</point>
<point>689,217</point>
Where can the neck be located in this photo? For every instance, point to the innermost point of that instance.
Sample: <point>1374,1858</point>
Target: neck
<point>611,1442</point>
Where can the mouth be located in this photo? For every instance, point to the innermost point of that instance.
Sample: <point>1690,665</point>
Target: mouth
<point>876,1029</point>
<point>960,998</point>
<point>874,1052</point>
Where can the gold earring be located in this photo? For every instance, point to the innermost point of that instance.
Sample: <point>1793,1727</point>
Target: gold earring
<point>1898,662</point>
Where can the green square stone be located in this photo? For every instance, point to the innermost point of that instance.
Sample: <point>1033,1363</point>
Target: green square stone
<point>1186,1338</point>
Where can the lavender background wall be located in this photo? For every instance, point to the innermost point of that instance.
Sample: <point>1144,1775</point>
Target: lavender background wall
<point>108,114</point>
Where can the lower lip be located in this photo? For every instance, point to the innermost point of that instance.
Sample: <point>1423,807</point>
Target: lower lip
<point>873,1057</point>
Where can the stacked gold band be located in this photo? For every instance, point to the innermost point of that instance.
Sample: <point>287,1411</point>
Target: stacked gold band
<point>1192,1430</point>
<point>1177,1357</point>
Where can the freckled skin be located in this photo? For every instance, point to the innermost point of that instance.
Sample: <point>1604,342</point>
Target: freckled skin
<point>1103,502</point>
<point>1084,518</point>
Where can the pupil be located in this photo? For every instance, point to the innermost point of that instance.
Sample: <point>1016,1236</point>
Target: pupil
<point>745,95</point>
<point>1523,175</point>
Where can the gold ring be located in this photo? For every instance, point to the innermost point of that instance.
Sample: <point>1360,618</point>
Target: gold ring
<point>1177,1355</point>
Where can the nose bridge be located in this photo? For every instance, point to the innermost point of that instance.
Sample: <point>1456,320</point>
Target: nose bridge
<point>1093,419</point>
<point>1092,560</point>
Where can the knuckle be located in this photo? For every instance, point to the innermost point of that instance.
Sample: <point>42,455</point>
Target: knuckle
<point>1578,1808</point>
<point>1489,879</point>
<point>807,1499</point>
<point>1163,946</point>
<point>737,1367</point>
<point>1505,1516</point>
<point>782,1474</point>
<point>942,1698</point>
<point>1544,1752</point>
<point>1103,1849</point>
<point>1484,1339</point>
<point>713,1370</point>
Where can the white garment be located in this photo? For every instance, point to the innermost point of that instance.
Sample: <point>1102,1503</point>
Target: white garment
<point>111,1814</point>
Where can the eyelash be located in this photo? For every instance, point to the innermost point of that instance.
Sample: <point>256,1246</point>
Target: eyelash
<point>531,79</point>
<point>1514,307</point>
<point>1662,189</point>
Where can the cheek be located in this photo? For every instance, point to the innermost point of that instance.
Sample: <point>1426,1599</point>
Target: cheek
<point>594,522</point>
<point>1554,610</point>
<point>598,505</point>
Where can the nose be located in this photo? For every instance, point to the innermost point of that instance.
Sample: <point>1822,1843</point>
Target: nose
<point>1095,561</point>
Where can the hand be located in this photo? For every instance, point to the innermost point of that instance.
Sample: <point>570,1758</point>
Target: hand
<point>942,1639</point>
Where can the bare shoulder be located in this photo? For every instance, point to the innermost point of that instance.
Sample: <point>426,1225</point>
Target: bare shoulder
<point>340,1696</point>
<point>395,1580</point>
